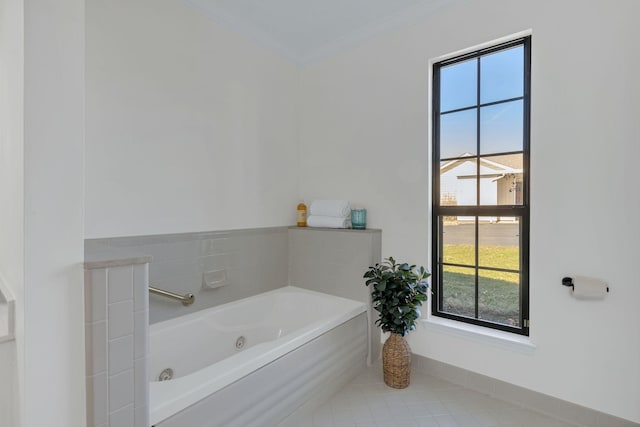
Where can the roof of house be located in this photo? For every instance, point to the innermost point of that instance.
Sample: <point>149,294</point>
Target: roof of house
<point>509,163</point>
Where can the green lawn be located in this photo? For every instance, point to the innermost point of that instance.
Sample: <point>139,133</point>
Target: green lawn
<point>488,256</point>
<point>499,297</point>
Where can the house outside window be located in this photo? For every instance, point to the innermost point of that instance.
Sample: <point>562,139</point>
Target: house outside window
<point>480,206</point>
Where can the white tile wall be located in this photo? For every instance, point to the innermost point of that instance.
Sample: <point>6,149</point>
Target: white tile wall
<point>140,326</point>
<point>141,415</point>
<point>123,417</point>
<point>95,295</point>
<point>140,379</point>
<point>116,328</point>
<point>120,390</point>
<point>96,337</point>
<point>120,284</point>
<point>97,390</point>
<point>120,319</point>
<point>120,354</point>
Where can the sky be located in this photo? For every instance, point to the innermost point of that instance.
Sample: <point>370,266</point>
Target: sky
<point>501,125</point>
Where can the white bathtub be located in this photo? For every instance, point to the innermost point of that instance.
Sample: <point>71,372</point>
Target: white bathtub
<point>201,350</point>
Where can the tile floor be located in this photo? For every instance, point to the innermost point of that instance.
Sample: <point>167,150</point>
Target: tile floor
<point>427,402</point>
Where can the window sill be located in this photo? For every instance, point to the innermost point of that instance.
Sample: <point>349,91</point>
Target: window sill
<point>480,334</point>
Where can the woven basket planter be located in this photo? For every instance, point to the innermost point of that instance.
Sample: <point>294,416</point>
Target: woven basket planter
<point>396,361</point>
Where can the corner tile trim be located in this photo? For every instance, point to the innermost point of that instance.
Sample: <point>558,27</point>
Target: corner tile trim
<point>110,261</point>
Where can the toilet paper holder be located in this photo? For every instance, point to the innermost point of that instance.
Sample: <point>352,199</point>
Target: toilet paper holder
<point>568,281</point>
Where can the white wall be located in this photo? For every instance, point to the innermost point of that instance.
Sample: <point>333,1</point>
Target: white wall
<point>53,383</point>
<point>9,388</point>
<point>364,137</point>
<point>11,198</point>
<point>189,127</point>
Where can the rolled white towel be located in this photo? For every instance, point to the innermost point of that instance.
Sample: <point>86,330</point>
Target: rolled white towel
<point>334,208</point>
<point>328,221</point>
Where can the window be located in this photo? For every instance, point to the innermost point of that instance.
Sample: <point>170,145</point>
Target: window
<point>480,221</point>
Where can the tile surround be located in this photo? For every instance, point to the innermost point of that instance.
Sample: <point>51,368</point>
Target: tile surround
<point>116,328</point>
<point>237,263</point>
<point>118,273</point>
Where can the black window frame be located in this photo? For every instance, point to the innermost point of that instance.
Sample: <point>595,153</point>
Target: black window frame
<point>520,211</point>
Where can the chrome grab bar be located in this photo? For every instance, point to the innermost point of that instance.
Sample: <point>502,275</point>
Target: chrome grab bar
<point>186,299</point>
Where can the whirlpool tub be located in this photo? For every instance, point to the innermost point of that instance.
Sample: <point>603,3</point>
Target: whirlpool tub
<point>254,361</point>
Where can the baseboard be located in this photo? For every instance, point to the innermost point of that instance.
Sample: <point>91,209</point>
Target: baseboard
<point>548,405</point>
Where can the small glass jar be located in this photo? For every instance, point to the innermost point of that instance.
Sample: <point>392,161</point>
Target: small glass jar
<point>359,219</point>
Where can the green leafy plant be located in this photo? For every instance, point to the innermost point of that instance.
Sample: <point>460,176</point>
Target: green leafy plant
<point>397,290</point>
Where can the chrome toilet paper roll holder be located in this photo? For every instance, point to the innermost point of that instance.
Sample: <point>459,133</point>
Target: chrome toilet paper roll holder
<point>568,281</point>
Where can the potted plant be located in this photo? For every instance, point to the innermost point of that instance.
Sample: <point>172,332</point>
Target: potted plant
<point>397,292</point>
